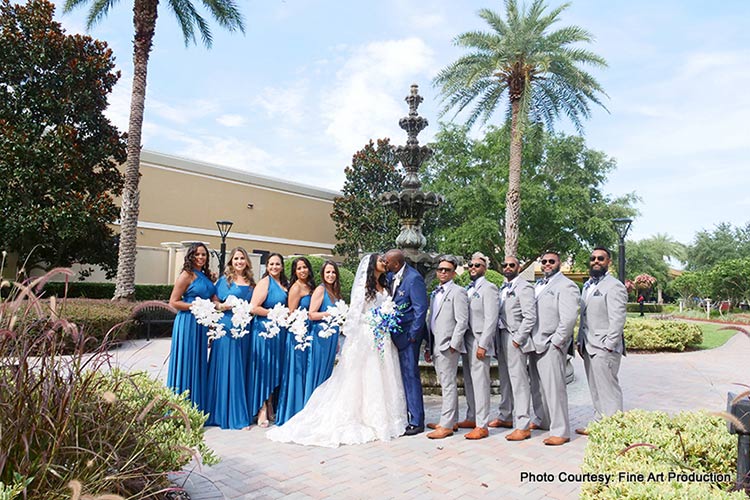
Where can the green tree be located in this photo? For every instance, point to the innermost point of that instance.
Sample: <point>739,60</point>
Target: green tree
<point>690,285</point>
<point>730,280</point>
<point>535,70</point>
<point>58,152</point>
<point>226,13</point>
<point>363,223</point>
<point>652,256</point>
<point>723,243</point>
<point>567,208</point>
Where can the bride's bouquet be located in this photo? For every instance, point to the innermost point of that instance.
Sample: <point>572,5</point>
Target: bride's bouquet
<point>384,321</point>
<point>241,316</point>
<point>206,314</point>
<point>297,322</point>
<point>337,317</point>
<point>277,318</point>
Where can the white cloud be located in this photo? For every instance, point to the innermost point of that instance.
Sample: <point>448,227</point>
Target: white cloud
<point>366,99</point>
<point>231,120</point>
<point>287,103</point>
<point>230,152</point>
<point>182,114</point>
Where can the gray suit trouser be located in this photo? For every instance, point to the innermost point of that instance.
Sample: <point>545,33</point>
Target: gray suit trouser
<point>505,409</point>
<point>446,364</point>
<point>476,383</point>
<point>601,372</point>
<point>517,362</point>
<point>548,371</point>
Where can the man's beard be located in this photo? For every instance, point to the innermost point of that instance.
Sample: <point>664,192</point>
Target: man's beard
<point>552,272</point>
<point>510,276</point>
<point>598,273</point>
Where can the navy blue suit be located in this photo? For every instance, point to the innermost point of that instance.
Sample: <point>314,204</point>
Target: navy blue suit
<point>411,296</point>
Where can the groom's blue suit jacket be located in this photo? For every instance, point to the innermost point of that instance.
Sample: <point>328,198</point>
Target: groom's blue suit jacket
<point>411,295</point>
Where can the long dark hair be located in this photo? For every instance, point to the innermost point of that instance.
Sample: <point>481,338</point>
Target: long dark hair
<point>247,273</point>
<point>335,288</point>
<point>282,277</point>
<point>310,282</point>
<point>189,264</point>
<point>371,283</point>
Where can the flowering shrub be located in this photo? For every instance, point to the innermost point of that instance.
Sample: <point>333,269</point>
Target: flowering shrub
<point>644,282</point>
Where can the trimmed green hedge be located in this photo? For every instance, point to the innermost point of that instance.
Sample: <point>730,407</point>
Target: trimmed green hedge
<point>634,307</point>
<point>346,276</point>
<point>661,335</point>
<point>88,290</point>
<point>688,442</point>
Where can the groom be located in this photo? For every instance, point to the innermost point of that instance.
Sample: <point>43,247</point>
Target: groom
<point>408,291</point>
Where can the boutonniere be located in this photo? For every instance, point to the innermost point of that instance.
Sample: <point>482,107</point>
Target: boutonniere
<point>401,293</point>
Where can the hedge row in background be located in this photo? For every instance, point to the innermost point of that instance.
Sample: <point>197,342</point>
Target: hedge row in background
<point>345,275</point>
<point>649,308</point>
<point>690,442</point>
<point>661,335</point>
<point>88,290</point>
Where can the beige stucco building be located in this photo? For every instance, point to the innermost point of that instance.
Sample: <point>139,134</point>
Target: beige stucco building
<point>182,199</point>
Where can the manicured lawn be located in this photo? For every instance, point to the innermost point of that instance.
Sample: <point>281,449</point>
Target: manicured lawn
<point>713,337</point>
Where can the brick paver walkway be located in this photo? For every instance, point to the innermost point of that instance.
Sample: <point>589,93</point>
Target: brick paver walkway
<point>416,467</point>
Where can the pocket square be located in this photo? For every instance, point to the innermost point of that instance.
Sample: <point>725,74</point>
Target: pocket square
<point>475,295</point>
<point>597,293</point>
<point>511,294</point>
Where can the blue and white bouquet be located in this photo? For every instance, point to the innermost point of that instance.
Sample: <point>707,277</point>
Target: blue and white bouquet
<point>297,323</point>
<point>384,321</point>
<point>336,318</point>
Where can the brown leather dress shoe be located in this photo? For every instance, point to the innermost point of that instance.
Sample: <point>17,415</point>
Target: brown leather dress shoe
<point>501,423</point>
<point>582,432</point>
<point>440,433</point>
<point>534,427</point>
<point>467,424</point>
<point>555,441</point>
<point>437,426</point>
<point>518,435</point>
<point>478,433</point>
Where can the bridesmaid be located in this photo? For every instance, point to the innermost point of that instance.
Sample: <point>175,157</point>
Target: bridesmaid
<point>187,360</point>
<point>323,352</point>
<point>292,393</point>
<point>227,364</point>
<point>264,372</point>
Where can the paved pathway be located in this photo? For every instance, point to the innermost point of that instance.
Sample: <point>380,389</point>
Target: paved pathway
<point>416,467</point>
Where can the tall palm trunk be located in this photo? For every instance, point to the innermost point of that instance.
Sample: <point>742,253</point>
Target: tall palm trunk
<point>513,196</point>
<point>144,20</point>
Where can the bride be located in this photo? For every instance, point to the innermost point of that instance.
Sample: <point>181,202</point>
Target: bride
<point>363,400</point>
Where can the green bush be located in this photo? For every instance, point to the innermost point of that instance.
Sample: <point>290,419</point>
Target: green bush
<point>345,275</point>
<point>491,275</point>
<point>64,418</point>
<point>105,290</point>
<point>649,308</point>
<point>661,335</point>
<point>687,442</point>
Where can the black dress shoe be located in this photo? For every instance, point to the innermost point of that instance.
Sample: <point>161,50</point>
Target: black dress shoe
<point>413,430</point>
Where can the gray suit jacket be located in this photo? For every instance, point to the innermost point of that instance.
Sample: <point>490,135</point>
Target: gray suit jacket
<point>518,313</point>
<point>556,314</point>
<point>484,308</point>
<point>603,317</point>
<point>451,320</point>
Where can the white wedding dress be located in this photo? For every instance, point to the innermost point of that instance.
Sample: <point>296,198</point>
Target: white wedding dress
<point>363,400</point>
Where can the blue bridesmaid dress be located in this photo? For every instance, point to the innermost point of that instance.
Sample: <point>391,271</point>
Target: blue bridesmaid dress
<point>292,392</point>
<point>322,354</point>
<point>266,355</point>
<point>226,391</point>
<point>187,360</point>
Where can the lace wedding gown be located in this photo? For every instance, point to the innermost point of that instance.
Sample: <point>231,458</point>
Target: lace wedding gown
<point>362,401</point>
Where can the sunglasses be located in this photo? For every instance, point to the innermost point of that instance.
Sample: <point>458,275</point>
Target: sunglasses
<point>548,261</point>
<point>444,270</point>
<point>600,258</point>
<point>509,264</point>
<point>474,264</point>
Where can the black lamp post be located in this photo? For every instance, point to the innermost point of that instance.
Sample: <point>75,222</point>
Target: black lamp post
<point>224,227</point>
<point>622,226</point>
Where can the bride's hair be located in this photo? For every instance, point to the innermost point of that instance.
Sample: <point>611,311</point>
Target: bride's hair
<point>371,282</point>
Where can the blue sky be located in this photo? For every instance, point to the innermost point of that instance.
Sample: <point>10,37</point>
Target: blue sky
<point>312,81</point>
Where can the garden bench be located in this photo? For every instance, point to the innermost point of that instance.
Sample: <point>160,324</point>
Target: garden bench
<point>154,313</point>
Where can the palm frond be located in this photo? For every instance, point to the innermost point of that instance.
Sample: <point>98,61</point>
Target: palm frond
<point>226,13</point>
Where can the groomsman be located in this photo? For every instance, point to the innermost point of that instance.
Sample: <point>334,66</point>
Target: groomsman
<point>480,345</point>
<point>409,292</point>
<point>557,300</point>
<point>601,340</point>
<point>517,317</point>
<point>447,324</point>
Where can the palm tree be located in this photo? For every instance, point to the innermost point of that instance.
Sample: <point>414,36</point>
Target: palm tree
<point>538,72</point>
<point>226,13</point>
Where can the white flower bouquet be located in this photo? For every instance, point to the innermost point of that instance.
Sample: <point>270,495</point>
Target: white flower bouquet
<point>277,319</point>
<point>241,316</point>
<point>206,314</point>
<point>297,323</point>
<point>336,319</point>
